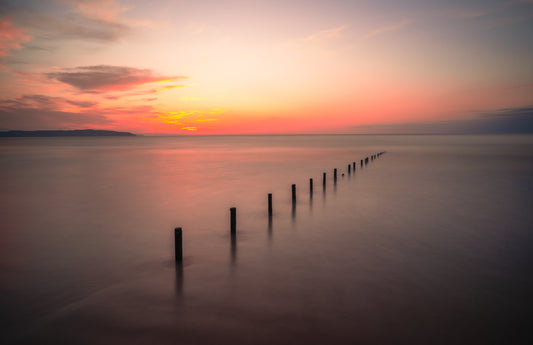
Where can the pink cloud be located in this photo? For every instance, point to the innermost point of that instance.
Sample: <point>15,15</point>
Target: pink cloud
<point>10,37</point>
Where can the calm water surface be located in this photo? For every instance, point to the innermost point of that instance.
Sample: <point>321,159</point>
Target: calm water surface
<point>429,244</point>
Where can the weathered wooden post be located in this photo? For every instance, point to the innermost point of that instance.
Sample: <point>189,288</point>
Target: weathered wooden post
<point>178,248</point>
<point>353,167</point>
<point>349,169</point>
<point>233,220</point>
<point>324,180</point>
<point>311,186</point>
<point>335,175</point>
<point>361,163</point>
<point>293,194</point>
<point>270,205</point>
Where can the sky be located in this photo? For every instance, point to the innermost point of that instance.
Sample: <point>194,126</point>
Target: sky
<point>267,66</point>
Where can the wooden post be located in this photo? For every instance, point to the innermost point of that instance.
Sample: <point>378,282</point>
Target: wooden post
<point>361,163</point>
<point>311,186</point>
<point>294,194</point>
<point>324,180</point>
<point>178,248</point>
<point>233,220</point>
<point>353,167</point>
<point>349,169</point>
<point>270,205</point>
<point>335,175</point>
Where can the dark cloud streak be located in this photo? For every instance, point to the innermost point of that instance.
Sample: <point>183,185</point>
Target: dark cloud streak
<point>90,78</point>
<point>503,121</point>
<point>41,102</point>
<point>33,118</point>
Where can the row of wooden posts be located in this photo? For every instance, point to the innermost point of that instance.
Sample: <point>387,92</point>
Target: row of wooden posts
<point>178,240</point>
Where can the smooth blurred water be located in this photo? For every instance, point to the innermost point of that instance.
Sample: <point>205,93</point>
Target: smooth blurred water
<point>429,244</point>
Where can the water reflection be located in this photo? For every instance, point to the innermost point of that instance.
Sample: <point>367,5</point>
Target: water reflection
<point>293,212</point>
<point>270,227</point>
<point>179,280</point>
<point>233,249</point>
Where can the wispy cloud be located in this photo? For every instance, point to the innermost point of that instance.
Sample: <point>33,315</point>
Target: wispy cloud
<point>101,9</point>
<point>170,87</point>
<point>34,111</point>
<point>106,77</point>
<point>96,20</point>
<point>43,102</point>
<point>324,35</point>
<point>30,112</point>
<point>11,38</point>
<point>389,28</point>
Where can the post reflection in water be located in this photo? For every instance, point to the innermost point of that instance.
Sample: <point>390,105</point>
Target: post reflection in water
<point>293,213</point>
<point>269,229</point>
<point>179,280</point>
<point>233,249</point>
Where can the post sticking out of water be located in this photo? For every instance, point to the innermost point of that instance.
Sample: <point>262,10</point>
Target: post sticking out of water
<point>293,194</point>
<point>233,220</point>
<point>178,248</point>
<point>353,167</point>
<point>311,186</point>
<point>361,163</point>
<point>335,175</point>
<point>324,180</point>
<point>270,205</point>
<point>349,169</point>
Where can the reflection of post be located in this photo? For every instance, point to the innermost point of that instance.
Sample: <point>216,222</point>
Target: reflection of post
<point>269,205</point>
<point>233,221</point>
<point>179,280</point>
<point>233,248</point>
<point>178,249</point>
<point>270,227</point>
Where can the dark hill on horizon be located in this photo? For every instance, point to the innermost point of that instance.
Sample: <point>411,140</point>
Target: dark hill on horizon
<point>66,133</point>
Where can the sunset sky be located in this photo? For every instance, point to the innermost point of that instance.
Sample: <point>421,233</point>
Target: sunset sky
<point>252,66</point>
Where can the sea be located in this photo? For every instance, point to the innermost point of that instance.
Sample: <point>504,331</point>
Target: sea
<point>431,242</point>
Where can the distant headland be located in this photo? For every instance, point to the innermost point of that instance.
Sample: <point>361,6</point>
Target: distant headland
<point>66,133</point>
